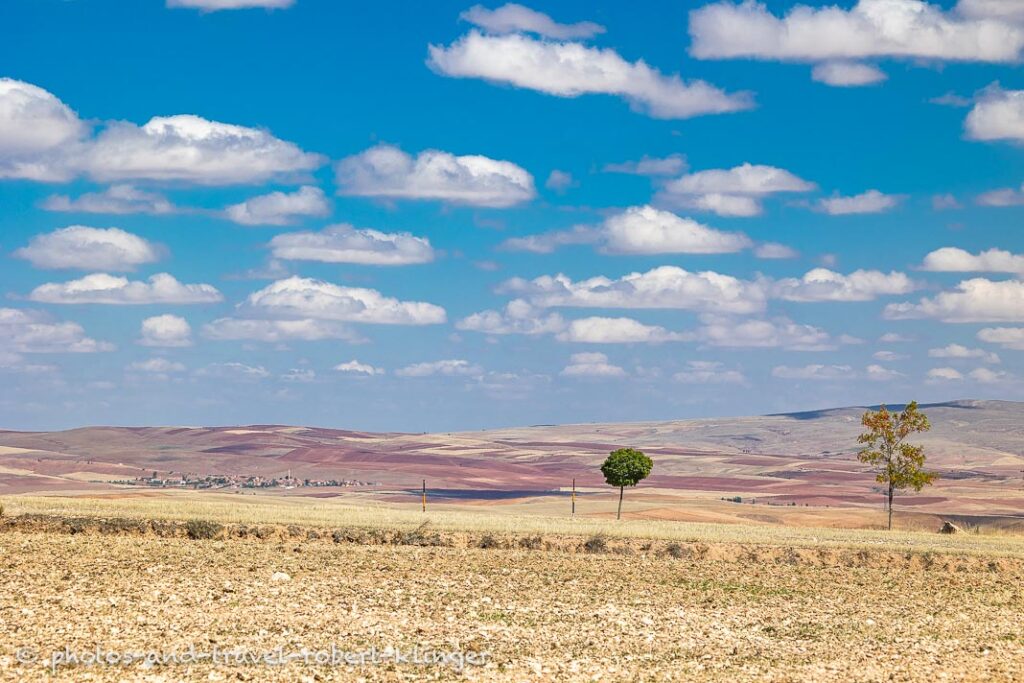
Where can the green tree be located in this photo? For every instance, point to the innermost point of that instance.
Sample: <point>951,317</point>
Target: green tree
<point>897,464</point>
<point>625,467</point>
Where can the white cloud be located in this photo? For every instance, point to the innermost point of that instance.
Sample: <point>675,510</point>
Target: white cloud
<point>954,260</point>
<point>445,368</point>
<point>514,18</point>
<point>388,172</point>
<point>216,5</point>
<point>302,375</point>
<point>1006,196</point>
<point>346,244</point>
<point>888,356</point>
<point>988,376</point>
<point>34,127</point>
<point>663,287</point>
<point>84,248</point>
<point>708,372</point>
<point>821,284</point>
<point>598,330</point>
<point>871,201</point>
<point>877,373</point>
<point>650,166</point>
<point>944,375</point>
<point>166,330</point>
<point>566,69</point>
<point>646,230</point>
<point>847,74</point>
<point>548,242</point>
<point>944,202</point>
<point>230,329</point>
<point>960,351</point>
<point>304,298</point>
<point>872,28</point>
<point>774,250</point>
<point>280,208</point>
<point>591,365</point>
<point>729,332</point>
<point>116,199</point>
<point>354,367</point>
<point>997,115</point>
<point>559,181</point>
<point>101,288</point>
<point>519,317</point>
<point>895,338</point>
<point>31,331</point>
<point>736,191</point>
<point>234,370</point>
<point>814,372</point>
<point>159,366</point>
<point>1007,337</point>
<point>974,301</point>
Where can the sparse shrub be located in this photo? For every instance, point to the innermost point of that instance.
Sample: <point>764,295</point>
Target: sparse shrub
<point>596,544</point>
<point>676,550</point>
<point>1,509</point>
<point>202,529</point>
<point>488,542</point>
<point>531,542</point>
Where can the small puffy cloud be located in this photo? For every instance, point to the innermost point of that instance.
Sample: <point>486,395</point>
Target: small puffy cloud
<point>300,375</point>
<point>232,329</point>
<point>280,208</point>
<point>895,338</point>
<point>547,242</point>
<point>736,191</point>
<point>988,376</point>
<point>567,69</point>
<point>559,181</point>
<point>667,287</point>
<point>945,202</point>
<point>444,368</point>
<point>646,230</point>
<point>591,365</point>
<point>83,248</point>
<point>116,199</point>
<point>954,260</point>
<point>1007,337</point>
<point>708,372</point>
<point>519,317</point>
<point>960,351</point>
<point>888,356</point>
<point>514,18</point>
<point>234,370</point>
<point>304,298</point>
<point>1003,197</point>
<point>101,288</point>
<point>814,372</point>
<point>821,284</point>
<point>973,301</point>
<point>598,330</point>
<point>774,250</point>
<point>944,375</point>
<point>166,331</point>
<point>31,331</point>
<point>997,115</point>
<point>737,333</point>
<point>909,29</point>
<point>158,366</point>
<point>346,244</point>
<point>217,5</point>
<point>673,164</point>
<point>878,373</point>
<point>847,74</point>
<point>871,201</point>
<point>387,172</point>
<point>354,367</point>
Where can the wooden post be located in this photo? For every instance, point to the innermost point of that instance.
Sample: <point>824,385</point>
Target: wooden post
<point>574,496</point>
<point>424,495</point>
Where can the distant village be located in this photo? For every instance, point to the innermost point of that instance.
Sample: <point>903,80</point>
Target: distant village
<point>237,482</point>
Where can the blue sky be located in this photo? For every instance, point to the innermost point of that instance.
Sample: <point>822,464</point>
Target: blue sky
<point>444,216</point>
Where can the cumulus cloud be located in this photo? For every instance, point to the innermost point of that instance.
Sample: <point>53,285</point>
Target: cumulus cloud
<point>997,115</point>
<point>960,351</point>
<point>1007,337</point>
<point>979,375</point>
<point>515,18</point>
<point>909,29</point>
<point>888,356</point>
<point>304,298</point>
<point>822,284</point>
<point>877,373</point>
<point>234,370</point>
<point>43,139</point>
<point>302,375</point>
<point>737,333</point>
<point>217,5</point>
<point>737,191</point>
<point>83,248</point>
<point>101,288</point>
<point>954,260</point>
<point>547,242</point>
<point>386,171</point>
<point>668,287</point>
<point>559,181</point>
<point>708,372</point>
<point>157,366</point>
<point>346,244</point>
<point>673,164</point>
<point>847,74</point>
<point>591,365</point>
<point>354,367</point>
<point>567,69</point>
<point>871,201</point>
<point>1003,197</point>
<point>116,199</point>
<point>774,250</point>
<point>598,330</point>
<point>280,208</point>
<point>814,372</point>
<point>233,329</point>
<point>895,338</point>
<point>444,368</point>
<point>973,301</point>
<point>944,375</point>
<point>519,317</point>
<point>31,331</point>
<point>166,330</point>
<point>945,202</point>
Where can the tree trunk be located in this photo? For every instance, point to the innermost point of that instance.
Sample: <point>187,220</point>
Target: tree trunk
<point>618,515</point>
<point>890,507</point>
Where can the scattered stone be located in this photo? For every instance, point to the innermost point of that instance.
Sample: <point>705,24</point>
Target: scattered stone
<point>280,577</point>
